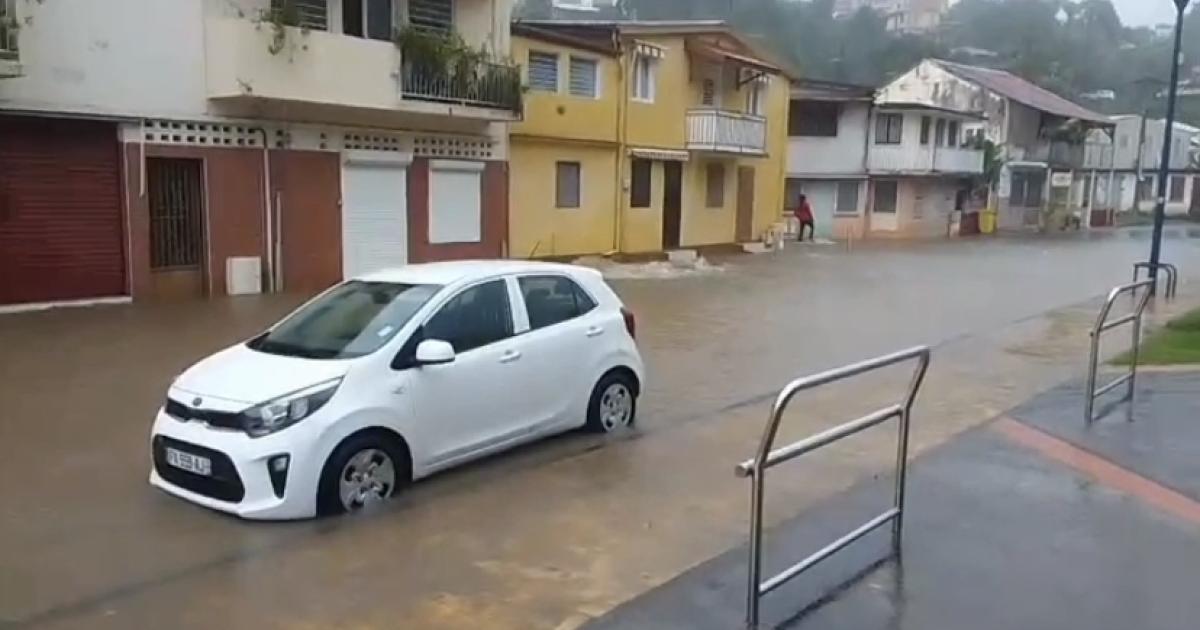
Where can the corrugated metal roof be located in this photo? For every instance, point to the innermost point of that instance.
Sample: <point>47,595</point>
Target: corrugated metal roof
<point>1022,91</point>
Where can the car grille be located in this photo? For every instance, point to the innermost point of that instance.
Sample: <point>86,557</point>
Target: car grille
<point>225,484</point>
<point>219,419</point>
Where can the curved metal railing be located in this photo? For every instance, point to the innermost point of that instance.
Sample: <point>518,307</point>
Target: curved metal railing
<point>1102,324</point>
<point>768,456</point>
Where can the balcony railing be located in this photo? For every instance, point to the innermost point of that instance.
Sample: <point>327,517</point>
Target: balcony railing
<point>479,84</point>
<point>924,159</point>
<point>724,131</point>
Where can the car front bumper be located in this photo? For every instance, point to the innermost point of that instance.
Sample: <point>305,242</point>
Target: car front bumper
<point>240,483</point>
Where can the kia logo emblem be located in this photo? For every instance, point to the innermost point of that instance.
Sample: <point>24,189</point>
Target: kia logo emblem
<point>197,401</point>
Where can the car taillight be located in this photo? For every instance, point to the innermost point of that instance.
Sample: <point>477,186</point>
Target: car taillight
<point>630,322</point>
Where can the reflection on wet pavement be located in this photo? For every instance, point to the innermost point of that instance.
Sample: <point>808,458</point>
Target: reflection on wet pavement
<point>557,531</point>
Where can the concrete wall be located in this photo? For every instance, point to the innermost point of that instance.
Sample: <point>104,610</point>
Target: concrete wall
<point>537,227</point>
<point>147,58</point>
<point>923,209</point>
<point>561,115</point>
<point>661,124</point>
<point>929,84</point>
<point>841,155</point>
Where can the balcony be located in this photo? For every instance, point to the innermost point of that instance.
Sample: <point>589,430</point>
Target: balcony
<point>346,76</point>
<point>10,55</point>
<point>914,160</point>
<point>722,131</point>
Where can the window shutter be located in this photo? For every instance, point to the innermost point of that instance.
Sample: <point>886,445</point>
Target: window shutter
<point>583,77</point>
<point>432,15</point>
<point>313,14</point>
<point>543,71</point>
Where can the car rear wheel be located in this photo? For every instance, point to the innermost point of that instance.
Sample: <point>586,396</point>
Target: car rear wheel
<point>365,470</point>
<point>613,405</point>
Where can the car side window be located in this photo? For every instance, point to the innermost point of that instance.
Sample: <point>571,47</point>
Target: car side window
<point>551,300</point>
<point>474,318</point>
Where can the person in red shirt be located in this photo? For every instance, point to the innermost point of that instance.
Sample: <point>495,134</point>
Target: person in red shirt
<point>804,214</point>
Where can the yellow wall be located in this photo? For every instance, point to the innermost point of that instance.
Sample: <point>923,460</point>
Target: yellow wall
<point>538,228</point>
<point>663,123</point>
<point>771,171</point>
<point>554,125</point>
<point>560,115</point>
<point>703,225</point>
<point>641,228</point>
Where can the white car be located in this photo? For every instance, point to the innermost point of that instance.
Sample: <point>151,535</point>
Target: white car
<point>391,377</point>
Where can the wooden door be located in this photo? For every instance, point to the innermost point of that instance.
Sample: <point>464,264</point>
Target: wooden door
<point>745,205</point>
<point>672,204</point>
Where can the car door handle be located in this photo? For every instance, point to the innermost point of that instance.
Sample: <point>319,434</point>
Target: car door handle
<point>595,331</point>
<point>510,356</point>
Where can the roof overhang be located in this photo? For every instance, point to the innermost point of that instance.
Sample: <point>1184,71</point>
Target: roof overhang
<point>711,52</point>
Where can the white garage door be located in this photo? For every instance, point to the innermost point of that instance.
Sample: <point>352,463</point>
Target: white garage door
<point>374,217</point>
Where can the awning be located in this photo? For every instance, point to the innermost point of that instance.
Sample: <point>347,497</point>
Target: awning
<point>663,155</point>
<point>650,50</point>
<point>713,53</point>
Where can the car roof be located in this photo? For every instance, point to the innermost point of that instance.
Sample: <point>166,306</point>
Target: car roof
<point>451,272</point>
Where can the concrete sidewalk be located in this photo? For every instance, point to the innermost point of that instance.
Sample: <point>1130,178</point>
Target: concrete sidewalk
<point>1032,521</point>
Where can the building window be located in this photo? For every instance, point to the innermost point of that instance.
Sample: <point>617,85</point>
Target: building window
<point>310,14</point>
<point>1027,189</point>
<point>368,18</point>
<point>889,129</point>
<point>640,183</point>
<point>543,71</point>
<point>926,123</point>
<point>886,193</point>
<point>455,201</point>
<point>813,119</point>
<point>567,185</point>
<point>847,198</point>
<point>1145,188</point>
<point>436,16</point>
<point>708,92</point>
<point>952,134</point>
<point>715,185</point>
<point>645,71</point>
<point>756,98</point>
<point>584,79</point>
<point>1178,183</point>
<point>939,137</point>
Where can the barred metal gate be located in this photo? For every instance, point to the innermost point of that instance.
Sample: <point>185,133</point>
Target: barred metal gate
<point>176,200</point>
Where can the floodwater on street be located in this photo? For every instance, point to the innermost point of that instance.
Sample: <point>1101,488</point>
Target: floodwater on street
<point>557,532</point>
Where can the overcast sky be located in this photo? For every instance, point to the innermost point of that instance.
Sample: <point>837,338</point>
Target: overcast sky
<point>1145,12</point>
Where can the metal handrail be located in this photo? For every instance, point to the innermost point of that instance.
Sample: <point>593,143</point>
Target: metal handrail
<point>1172,275</point>
<point>1102,324</point>
<point>767,457</point>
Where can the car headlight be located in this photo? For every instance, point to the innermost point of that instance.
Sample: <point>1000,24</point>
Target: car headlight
<point>283,412</point>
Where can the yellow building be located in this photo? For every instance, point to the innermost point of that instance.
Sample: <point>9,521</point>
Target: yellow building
<point>643,137</point>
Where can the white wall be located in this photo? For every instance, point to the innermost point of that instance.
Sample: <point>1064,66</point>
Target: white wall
<point>841,155</point>
<point>929,84</point>
<point>116,57</point>
<point>146,58</point>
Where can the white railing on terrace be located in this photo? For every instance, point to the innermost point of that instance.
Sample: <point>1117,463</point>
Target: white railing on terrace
<point>724,131</point>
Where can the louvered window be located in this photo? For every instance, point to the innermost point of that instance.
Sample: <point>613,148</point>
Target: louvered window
<point>583,77</point>
<point>432,15</point>
<point>543,71</point>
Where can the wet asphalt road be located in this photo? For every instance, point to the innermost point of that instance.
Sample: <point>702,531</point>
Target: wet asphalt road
<point>557,532</point>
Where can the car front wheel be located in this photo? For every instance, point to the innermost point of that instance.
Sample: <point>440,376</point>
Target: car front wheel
<point>364,470</point>
<point>613,405</point>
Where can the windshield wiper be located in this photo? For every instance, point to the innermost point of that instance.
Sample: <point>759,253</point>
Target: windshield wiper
<point>271,346</point>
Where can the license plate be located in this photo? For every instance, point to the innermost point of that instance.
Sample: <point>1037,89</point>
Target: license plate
<point>192,463</point>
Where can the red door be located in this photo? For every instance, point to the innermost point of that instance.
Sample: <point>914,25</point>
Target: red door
<point>61,229</point>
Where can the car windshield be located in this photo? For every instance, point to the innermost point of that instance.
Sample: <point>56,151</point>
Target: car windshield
<point>353,319</point>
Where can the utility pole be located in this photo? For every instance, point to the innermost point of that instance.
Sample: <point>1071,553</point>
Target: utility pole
<point>1164,167</point>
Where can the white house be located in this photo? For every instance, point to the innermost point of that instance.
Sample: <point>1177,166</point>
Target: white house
<point>203,147</point>
<point>1040,136</point>
<point>1138,154</point>
<point>880,169</point>
<point>828,127</point>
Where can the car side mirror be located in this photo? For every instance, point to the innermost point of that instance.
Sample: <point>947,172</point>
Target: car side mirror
<point>434,352</point>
